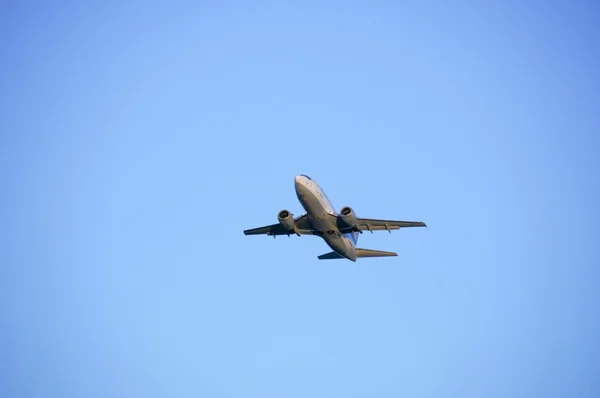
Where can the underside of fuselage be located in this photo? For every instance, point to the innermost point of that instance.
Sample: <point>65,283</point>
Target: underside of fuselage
<point>319,214</point>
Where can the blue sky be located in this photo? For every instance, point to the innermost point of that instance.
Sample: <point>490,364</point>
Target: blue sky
<point>138,140</point>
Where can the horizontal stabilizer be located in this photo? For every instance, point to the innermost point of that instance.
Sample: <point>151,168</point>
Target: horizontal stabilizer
<point>373,253</point>
<point>360,253</point>
<point>329,256</point>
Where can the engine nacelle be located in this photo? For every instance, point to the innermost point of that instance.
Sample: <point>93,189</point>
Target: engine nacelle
<point>287,220</point>
<point>348,217</point>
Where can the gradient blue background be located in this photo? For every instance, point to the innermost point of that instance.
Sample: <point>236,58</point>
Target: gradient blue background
<point>138,140</point>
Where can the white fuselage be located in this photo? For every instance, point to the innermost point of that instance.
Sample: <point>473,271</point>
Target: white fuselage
<point>319,212</point>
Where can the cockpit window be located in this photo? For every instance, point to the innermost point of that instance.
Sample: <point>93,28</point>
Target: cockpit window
<point>304,175</point>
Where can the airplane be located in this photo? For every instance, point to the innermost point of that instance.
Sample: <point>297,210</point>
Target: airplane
<point>339,231</point>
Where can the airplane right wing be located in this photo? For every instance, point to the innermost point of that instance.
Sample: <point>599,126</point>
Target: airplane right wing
<point>278,229</point>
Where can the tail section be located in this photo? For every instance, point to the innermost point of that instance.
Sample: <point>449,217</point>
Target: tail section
<point>353,236</point>
<point>360,253</point>
<point>374,253</point>
<point>330,256</point>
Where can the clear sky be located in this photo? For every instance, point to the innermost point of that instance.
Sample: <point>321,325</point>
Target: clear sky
<point>139,139</point>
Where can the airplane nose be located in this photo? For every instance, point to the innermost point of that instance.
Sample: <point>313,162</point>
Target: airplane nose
<point>298,185</point>
<point>302,186</point>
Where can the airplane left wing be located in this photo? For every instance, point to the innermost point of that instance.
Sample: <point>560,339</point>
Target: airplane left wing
<point>371,224</point>
<point>277,229</point>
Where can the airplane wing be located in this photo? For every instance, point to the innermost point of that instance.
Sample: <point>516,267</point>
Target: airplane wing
<point>371,224</point>
<point>277,229</point>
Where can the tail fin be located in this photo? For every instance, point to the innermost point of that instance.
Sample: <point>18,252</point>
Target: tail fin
<point>352,236</point>
<point>359,254</point>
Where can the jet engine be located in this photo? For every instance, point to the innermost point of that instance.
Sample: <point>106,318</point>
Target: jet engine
<point>348,217</point>
<point>287,220</point>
